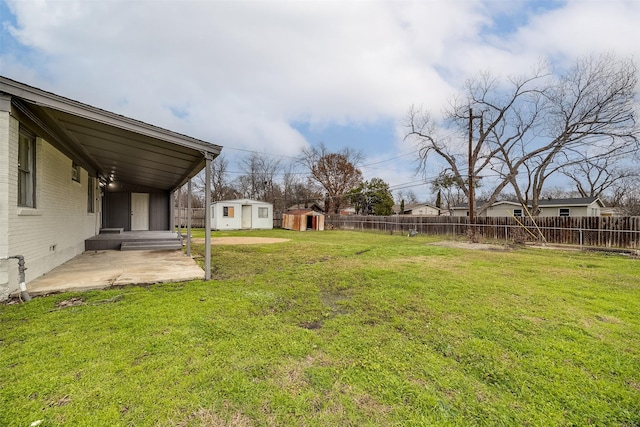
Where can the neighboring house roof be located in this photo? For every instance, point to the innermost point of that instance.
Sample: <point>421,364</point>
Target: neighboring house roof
<point>504,202</point>
<point>463,206</point>
<point>575,201</point>
<point>413,206</point>
<point>108,145</point>
<point>419,205</point>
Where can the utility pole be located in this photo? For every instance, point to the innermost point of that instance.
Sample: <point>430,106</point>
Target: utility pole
<point>471,167</point>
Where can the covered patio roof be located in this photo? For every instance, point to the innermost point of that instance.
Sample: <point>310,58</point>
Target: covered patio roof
<point>110,146</point>
<point>113,147</point>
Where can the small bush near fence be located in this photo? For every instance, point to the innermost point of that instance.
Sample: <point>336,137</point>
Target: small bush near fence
<point>613,232</point>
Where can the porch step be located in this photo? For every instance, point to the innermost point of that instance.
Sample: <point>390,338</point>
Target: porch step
<point>111,230</point>
<point>152,245</point>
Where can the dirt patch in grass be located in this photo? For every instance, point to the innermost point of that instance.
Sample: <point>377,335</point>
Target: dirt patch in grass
<point>241,240</point>
<point>210,418</point>
<point>71,302</point>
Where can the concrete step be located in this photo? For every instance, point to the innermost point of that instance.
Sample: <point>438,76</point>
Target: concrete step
<point>152,245</point>
<point>111,230</point>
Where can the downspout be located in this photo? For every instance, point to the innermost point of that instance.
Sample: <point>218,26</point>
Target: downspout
<point>21,268</point>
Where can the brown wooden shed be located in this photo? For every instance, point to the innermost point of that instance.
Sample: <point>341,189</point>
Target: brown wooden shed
<point>302,220</point>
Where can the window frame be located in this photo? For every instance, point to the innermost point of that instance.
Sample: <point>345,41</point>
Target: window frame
<point>228,211</point>
<point>262,209</point>
<point>26,176</point>
<point>75,172</point>
<point>564,212</point>
<point>517,213</point>
<point>91,194</point>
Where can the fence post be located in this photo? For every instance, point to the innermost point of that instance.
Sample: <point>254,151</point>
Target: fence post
<point>580,237</point>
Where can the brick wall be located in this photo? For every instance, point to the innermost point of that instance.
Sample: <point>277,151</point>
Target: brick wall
<point>54,231</point>
<point>4,202</point>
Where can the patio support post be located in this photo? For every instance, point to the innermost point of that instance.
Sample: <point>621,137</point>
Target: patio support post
<point>172,212</point>
<point>180,211</point>
<point>207,218</point>
<point>189,218</point>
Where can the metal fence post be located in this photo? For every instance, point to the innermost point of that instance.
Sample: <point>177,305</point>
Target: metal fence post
<point>580,237</point>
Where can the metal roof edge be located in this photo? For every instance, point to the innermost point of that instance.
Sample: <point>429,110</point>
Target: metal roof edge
<point>51,100</point>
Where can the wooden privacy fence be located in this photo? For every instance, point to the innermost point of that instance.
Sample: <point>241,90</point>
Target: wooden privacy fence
<point>197,217</point>
<point>611,232</point>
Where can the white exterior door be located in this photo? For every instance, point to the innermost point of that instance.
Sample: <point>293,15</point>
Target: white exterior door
<point>139,211</point>
<point>246,216</point>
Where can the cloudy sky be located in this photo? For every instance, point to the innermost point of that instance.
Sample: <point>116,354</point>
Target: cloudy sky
<point>276,76</point>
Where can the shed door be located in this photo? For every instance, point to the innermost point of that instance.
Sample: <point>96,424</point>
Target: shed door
<point>139,211</point>
<point>246,216</point>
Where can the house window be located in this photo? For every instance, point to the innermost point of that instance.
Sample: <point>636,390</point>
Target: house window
<point>517,212</point>
<point>91,195</point>
<point>263,212</point>
<point>227,211</point>
<point>564,212</point>
<point>75,172</point>
<point>26,169</point>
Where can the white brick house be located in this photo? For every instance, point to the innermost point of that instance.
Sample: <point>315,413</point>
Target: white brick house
<point>62,161</point>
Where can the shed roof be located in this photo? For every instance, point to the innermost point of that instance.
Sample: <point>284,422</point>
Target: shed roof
<point>244,202</point>
<point>302,212</point>
<point>108,145</point>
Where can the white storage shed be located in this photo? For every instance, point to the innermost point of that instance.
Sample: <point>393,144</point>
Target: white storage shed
<point>241,214</point>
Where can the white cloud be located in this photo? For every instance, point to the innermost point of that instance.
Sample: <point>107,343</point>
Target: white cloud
<point>583,27</point>
<point>239,73</point>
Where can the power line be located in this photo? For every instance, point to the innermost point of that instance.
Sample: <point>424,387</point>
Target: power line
<point>261,153</point>
<point>388,160</point>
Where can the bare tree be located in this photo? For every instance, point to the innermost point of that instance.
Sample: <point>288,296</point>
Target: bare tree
<point>526,129</point>
<point>595,177</point>
<point>221,188</point>
<point>336,173</point>
<point>629,203</point>
<point>409,197</point>
<point>556,192</point>
<point>296,190</point>
<point>259,177</point>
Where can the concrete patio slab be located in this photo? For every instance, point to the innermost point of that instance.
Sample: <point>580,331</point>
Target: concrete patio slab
<point>103,269</point>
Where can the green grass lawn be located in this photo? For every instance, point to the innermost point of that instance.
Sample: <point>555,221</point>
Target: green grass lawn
<point>338,328</point>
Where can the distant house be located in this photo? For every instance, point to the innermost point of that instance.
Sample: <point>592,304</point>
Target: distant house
<point>348,211</point>
<point>572,207</point>
<point>611,212</point>
<point>417,209</point>
<point>302,220</point>
<point>241,214</point>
